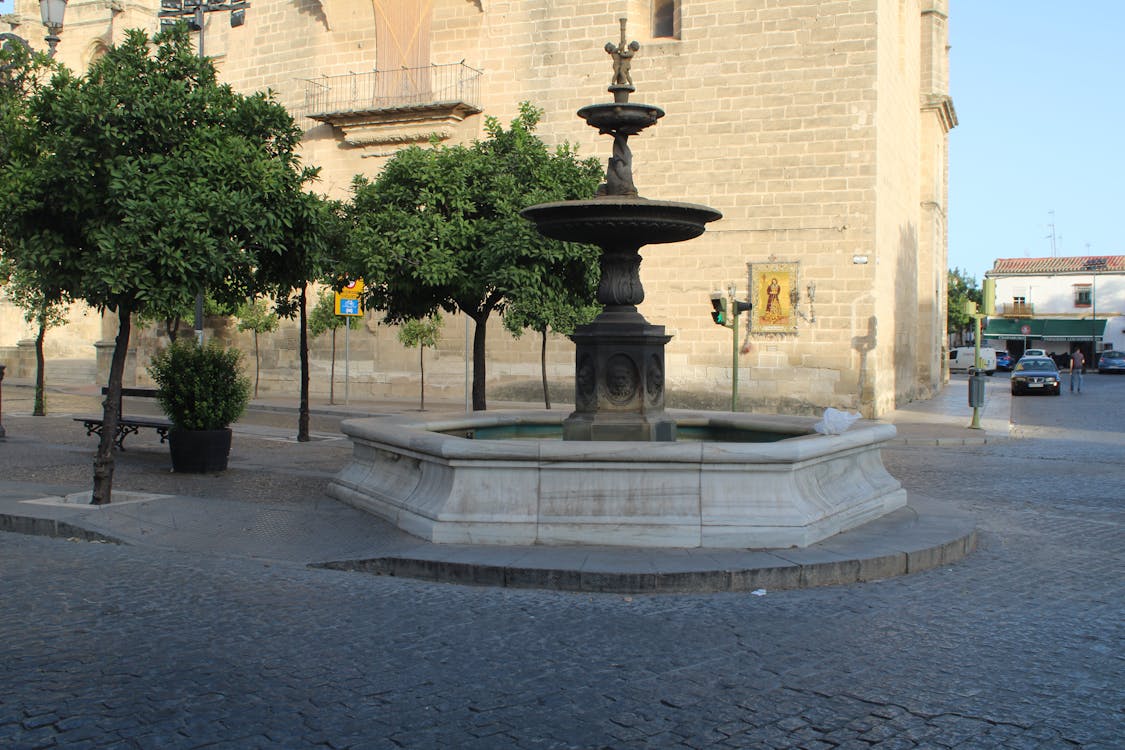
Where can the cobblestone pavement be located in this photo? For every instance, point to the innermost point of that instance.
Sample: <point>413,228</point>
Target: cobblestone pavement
<point>1018,646</point>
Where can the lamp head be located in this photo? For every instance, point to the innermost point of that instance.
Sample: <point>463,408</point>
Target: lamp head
<point>52,12</point>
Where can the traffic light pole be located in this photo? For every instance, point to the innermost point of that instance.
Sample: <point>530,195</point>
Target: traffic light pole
<point>730,320</point>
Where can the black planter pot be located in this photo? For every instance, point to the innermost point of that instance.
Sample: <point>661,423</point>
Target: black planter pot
<point>199,451</point>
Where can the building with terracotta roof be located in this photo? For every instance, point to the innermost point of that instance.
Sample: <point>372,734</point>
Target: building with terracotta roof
<point>1059,304</point>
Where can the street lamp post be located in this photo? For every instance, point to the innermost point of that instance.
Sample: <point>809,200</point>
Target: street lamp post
<point>52,12</point>
<point>194,11</point>
<point>1093,265</point>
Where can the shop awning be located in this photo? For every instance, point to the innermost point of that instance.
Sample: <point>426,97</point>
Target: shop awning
<point>1044,330</point>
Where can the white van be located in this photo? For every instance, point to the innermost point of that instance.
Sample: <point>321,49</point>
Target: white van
<point>964,358</point>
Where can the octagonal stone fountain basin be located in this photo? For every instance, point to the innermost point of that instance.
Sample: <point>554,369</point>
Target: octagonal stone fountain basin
<point>771,482</point>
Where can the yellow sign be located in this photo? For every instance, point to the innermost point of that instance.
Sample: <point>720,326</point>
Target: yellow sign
<point>348,299</point>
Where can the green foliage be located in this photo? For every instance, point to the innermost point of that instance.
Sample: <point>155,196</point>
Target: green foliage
<point>144,182</point>
<point>256,315</point>
<point>201,387</point>
<point>40,306</point>
<point>323,317</point>
<point>962,287</point>
<point>317,231</point>
<point>558,310</point>
<point>440,227</point>
<point>423,332</point>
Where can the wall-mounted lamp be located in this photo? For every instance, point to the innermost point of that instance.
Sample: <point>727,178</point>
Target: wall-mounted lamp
<point>52,12</point>
<point>859,260</point>
<point>795,298</point>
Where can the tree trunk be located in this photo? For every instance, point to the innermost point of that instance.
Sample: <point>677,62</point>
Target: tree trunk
<point>303,411</point>
<point>543,368</point>
<point>479,371</point>
<point>257,364</point>
<point>111,412</point>
<point>40,408</point>
<point>332,372</point>
<point>422,370</point>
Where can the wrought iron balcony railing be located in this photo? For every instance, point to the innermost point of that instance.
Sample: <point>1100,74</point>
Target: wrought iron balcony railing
<point>1017,309</point>
<point>442,87</point>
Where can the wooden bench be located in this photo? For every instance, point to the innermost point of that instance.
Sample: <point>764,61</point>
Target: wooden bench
<point>127,426</point>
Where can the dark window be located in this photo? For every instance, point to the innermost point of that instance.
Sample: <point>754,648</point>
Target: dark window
<point>1083,296</point>
<point>665,18</point>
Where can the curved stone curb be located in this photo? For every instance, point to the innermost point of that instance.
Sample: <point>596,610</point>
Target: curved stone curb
<point>51,527</point>
<point>904,542</point>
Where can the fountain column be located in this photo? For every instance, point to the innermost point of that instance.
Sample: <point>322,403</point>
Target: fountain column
<point>619,362</point>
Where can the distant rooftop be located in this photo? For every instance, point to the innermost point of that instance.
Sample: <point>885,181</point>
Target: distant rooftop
<point>1074,264</point>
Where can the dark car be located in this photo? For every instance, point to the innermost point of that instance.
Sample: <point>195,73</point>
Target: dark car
<point>1004,361</point>
<point>1036,375</point>
<point>1111,361</point>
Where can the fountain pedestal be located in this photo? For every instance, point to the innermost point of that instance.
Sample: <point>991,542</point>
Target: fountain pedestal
<point>619,381</point>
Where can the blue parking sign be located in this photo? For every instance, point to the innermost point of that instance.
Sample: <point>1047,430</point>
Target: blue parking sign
<point>349,306</point>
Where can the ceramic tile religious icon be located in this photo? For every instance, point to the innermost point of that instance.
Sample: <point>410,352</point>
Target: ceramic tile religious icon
<point>771,288</point>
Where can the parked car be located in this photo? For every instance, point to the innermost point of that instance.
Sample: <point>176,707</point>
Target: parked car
<point>1036,375</point>
<point>1004,361</point>
<point>1035,353</point>
<point>964,358</point>
<point>1111,361</point>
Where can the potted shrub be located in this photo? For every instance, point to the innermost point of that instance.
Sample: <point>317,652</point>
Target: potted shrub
<point>202,391</point>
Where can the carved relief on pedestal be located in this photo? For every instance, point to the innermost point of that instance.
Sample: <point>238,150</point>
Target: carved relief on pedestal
<point>654,380</point>
<point>621,379</point>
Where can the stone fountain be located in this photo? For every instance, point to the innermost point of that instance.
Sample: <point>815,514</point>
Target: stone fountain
<point>626,471</point>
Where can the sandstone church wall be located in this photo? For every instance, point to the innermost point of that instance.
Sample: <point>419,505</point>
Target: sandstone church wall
<point>799,120</point>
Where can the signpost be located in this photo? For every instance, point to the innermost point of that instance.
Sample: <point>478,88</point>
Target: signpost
<point>349,305</point>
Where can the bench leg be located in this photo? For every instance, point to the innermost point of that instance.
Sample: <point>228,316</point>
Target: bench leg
<point>124,431</point>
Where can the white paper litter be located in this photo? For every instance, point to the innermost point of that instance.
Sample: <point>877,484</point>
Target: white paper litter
<point>835,422</point>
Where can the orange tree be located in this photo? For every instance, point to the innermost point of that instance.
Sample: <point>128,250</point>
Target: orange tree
<point>440,228</point>
<point>142,183</point>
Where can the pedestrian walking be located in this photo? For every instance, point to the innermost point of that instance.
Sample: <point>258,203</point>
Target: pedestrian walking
<point>1077,364</point>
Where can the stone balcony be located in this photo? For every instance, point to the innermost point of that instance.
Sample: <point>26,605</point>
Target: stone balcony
<point>410,105</point>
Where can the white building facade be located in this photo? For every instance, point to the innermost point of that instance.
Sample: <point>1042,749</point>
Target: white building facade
<point>1058,304</point>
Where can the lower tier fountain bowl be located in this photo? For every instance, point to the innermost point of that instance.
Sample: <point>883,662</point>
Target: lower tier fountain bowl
<point>745,481</point>
<point>616,220</point>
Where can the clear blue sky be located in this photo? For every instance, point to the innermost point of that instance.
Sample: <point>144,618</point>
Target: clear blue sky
<point>1038,89</point>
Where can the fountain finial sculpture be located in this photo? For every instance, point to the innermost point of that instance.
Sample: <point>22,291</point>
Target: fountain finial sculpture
<point>619,362</point>
<point>622,84</point>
